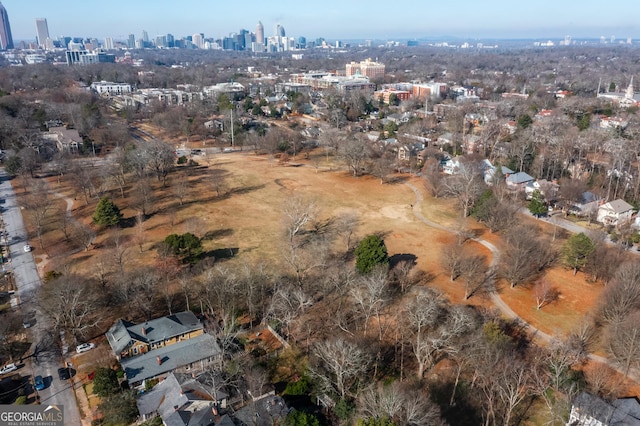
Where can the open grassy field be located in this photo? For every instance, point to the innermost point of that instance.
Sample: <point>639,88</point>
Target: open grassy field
<point>248,220</point>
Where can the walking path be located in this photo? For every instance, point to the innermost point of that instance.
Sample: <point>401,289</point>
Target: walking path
<point>537,334</point>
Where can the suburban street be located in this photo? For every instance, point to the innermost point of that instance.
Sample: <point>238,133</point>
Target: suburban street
<point>23,267</point>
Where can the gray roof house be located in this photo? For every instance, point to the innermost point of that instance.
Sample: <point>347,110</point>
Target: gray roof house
<point>593,411</point>
<point>162,345</point>
<point>181,400</point>
<point>615,212</point>
<point>518,181</point>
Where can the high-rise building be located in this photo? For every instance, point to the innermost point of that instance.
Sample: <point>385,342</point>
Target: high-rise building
<point>42,32</point>
<point>131,42</point>
<point>260,33</point>
<point>6,40</point>
<point>198,40</point>
<point>280,31</point>
<point>108,43</point>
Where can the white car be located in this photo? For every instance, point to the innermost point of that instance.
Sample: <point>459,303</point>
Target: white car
<point>84,347</point>
<point>8,368</point>
<point>26,248</point>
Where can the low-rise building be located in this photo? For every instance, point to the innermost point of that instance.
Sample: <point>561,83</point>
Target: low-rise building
<point>173,343</point>
<point>615,212</point>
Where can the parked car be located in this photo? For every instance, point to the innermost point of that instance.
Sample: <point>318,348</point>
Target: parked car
<point>84,347</point>
<point>63,373</point>
<point>8,368</point>
<point>26,248</point>
<point>38,383</point>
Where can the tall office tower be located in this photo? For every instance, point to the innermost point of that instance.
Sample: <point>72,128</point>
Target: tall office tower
<point>42,32</point>
<point>6,41</point>
<point>198,40</point>
<point>145,36</point>
<point>260,33</point>
<point>131,42</point>
<point>280,31</point>
<point>108,43</point>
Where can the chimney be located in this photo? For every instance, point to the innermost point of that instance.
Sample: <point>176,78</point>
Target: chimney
<point>144,331</point>
<point>159,360</point>
<point>214,410</point>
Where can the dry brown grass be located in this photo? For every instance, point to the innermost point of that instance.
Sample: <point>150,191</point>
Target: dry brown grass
<point>250,219</point>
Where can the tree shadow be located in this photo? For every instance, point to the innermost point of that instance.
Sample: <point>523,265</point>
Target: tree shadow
<point>402,257</point>
<point>218,233</point>
<point>222,253</point>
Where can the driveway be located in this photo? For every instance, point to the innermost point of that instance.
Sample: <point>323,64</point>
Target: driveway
<point>23,267</point>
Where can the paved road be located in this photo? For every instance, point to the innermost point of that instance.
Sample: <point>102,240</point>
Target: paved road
<point>28,283</point>
<point>537,334</point>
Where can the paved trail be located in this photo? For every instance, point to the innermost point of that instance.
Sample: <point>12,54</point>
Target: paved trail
<point>538,335</point>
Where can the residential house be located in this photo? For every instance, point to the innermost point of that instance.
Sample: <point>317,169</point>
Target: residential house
<point>451,166</point>
<point>588,204</point>
<point>589,410</point>
<point>162,345</point>
<point>472,144</point>
<point>406,152</point>
<point>68,140</point>
<point>615,212</point>
<point>445,139</point>
<point>183,400</point>
<point>518,181</point>
<point>549,190</point>
<point>491,173</point>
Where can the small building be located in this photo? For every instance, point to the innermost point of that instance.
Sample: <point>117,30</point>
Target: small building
<point>615,212</point>
<point>587,205</point>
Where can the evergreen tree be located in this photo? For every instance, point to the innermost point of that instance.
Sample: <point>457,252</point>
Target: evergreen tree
<point>536,205</point>
<point>577,250</point>
<point>371,252</point>
<point>107,213</point>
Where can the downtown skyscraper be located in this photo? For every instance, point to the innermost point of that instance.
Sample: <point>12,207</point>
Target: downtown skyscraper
<point>6,40</point>
<point>42,32</point>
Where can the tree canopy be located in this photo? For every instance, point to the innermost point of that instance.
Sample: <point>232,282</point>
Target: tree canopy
<point>576,251</point>
<point>370,253</point>
<point>536,205</point>
<point>186,245</point>
<point>105,382</point>
<point>107,213</point>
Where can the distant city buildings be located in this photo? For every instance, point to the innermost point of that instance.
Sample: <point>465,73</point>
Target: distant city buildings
<point>42,34</point>
<point>6,40</point>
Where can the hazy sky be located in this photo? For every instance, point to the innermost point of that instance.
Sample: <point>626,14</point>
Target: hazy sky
<point>331,19</point>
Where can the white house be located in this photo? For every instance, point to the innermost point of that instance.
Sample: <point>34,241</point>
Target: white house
<point>615,212</point>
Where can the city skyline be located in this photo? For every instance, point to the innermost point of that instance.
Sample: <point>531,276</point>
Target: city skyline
<point>332,20</point>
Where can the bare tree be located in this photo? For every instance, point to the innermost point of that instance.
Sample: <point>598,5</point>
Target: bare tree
<point>140,235</point>
<point>346,225</point>
<point>70,305</point>
<point>370,296</point>
<point>82,234</point>
<point>622,295</point>
<point>624,343</point>
<point>545,293</point>
<point>37,203</point>
<point>180,186</point>
<point>399,403</point>
<point>473,271</point>
<point>354,151</point>
<point>527,255</point>
<point>339,365</point>
<point>465,186</point>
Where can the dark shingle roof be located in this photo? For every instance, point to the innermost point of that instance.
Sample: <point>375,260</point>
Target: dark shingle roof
<point>173,356</point>
<point>123,332</point>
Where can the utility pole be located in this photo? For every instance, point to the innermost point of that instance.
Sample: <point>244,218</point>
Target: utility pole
<point>232,145</point>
